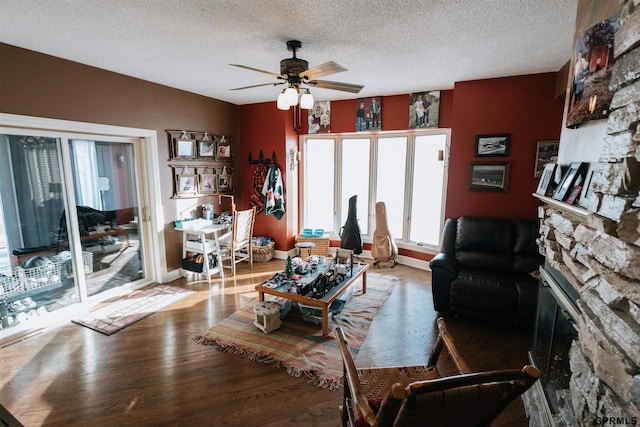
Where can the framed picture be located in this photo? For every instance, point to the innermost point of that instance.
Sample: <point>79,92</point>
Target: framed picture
<point>492,145</point>
<point>186,184</point>
<point>319,118</point>
<point>224,183</point>
<point>206,149</point>
<point>224,149</point>
<point>207,183</point>
<point>546,152</point>
<point>566,184</point>
<point>544,187</point>
<point>368,114</point>
<point>489,176</point>
<point>424,109</point>
<point>592,66</point>
<point>586,185</point>
<point>573,195</point>
<point>185,148</point>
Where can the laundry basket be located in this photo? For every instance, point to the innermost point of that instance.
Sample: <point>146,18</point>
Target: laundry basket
<point>262,249</point>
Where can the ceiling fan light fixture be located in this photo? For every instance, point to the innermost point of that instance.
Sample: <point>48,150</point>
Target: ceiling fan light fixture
<point>291,95</point>
<point>306,100</point>
<point>282,102</point>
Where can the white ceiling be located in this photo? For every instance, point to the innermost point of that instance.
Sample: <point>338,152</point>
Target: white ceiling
<point>389,46</point>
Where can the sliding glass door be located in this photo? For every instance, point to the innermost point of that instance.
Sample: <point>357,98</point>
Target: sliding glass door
<point>69,228</point>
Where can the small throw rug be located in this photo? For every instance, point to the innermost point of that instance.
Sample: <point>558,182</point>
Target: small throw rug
<point>299,346</point>
<point>132,308</point>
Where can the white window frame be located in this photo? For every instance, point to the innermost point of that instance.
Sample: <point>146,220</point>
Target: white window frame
<point>411,135</point>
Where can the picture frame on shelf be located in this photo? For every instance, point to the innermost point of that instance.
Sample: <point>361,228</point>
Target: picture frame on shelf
<point>184,148</point>
<point>206,149</point>
<point>186,184</point>
<point>544,187</point>
<point>496,145</point>
<point>587,184</point>
<point>573,195</point>
<point>546,152</point>
<point>566,184</point>
<point>224,183</point>
<point>224,149</point>
<point>208,183</point>
<point>489,176</point>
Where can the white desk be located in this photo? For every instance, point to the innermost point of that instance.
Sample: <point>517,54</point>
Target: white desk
<point>206,246</point>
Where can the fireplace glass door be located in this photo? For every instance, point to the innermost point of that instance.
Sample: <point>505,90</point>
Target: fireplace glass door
<point>553,335</point>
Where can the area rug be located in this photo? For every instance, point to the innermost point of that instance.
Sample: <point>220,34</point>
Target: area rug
<point>299,346</point>
<point>132,308</point>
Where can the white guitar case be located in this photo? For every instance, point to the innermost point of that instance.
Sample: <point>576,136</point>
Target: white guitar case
<point>383,248</point>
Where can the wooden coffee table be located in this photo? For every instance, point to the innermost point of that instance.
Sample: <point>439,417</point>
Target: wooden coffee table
<point>359,270</point>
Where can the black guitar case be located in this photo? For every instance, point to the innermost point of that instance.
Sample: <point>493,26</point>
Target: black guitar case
<point>350,231</point>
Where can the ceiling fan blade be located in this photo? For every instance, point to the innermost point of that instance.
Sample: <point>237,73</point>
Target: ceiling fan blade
<point>262,84</point>
<point>322,70</point>
<point>345,87</point>
<point>258,70</point>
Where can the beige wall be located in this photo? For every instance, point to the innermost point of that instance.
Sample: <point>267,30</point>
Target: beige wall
<point>39,85</point>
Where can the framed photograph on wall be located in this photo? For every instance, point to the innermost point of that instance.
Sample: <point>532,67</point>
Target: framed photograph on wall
<point>208,183</point>
<point>224,149</point>
<point>492,176</point>
<point>319,117</point>
<point>206,149</point>
<point>567,182</point>
<point>544,187</point>
<point>184,148</point>
<point>225,183</point>
<point>492,145</point>
<point>546,152</point>
<point>424,109</point>
<point>186,184</point>
<point>592,66</point>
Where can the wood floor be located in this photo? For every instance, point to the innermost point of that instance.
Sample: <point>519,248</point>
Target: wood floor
<point>152,374</point>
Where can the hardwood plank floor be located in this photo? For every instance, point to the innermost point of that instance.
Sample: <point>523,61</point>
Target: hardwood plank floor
<point>153,374</point>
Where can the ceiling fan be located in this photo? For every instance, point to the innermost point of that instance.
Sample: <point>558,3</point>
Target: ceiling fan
<point>295,72</point>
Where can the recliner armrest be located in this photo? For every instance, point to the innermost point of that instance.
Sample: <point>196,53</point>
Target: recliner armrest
<point>445,262</point>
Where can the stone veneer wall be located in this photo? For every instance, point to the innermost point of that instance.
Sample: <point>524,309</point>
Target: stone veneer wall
<point>598,251</point>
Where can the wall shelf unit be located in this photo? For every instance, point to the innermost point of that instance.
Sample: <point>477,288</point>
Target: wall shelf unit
<point>201,163</point>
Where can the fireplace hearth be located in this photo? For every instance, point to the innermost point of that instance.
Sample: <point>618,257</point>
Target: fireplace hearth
<point>596,248</point>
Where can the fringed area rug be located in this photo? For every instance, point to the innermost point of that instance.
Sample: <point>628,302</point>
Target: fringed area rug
<point>299,346</point>
<point>132,308</point>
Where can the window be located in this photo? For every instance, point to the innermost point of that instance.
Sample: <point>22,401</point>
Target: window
<point>406,170</point>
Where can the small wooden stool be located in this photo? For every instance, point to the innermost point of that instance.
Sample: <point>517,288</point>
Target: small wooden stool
<point>305,245</point>
<point>267,316</point>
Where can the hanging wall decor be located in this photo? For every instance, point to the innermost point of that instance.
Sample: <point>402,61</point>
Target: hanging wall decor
<point>593,61</point>
<point>424,109</point>
<point>224,149</point>
<point>208,183</point>
<point>320,117</point>
<point>196,158</point>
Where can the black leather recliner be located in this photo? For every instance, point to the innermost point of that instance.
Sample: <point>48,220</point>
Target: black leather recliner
<point>484,269</point>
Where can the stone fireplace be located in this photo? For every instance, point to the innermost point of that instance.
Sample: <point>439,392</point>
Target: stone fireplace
<point>597,251</point>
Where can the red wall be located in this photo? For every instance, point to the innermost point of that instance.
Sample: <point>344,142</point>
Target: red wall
<point>523,106</point>
<point>271,130</point>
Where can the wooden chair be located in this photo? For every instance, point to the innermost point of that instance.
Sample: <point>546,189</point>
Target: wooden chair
<point>419,395</point>
<point>236,246</point>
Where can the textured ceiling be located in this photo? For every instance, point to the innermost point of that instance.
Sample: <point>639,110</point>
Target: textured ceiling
<point>389,46</point>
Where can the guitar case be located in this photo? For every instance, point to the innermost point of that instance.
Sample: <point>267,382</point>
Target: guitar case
<point>350,232</point>
<point>383,247</point>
